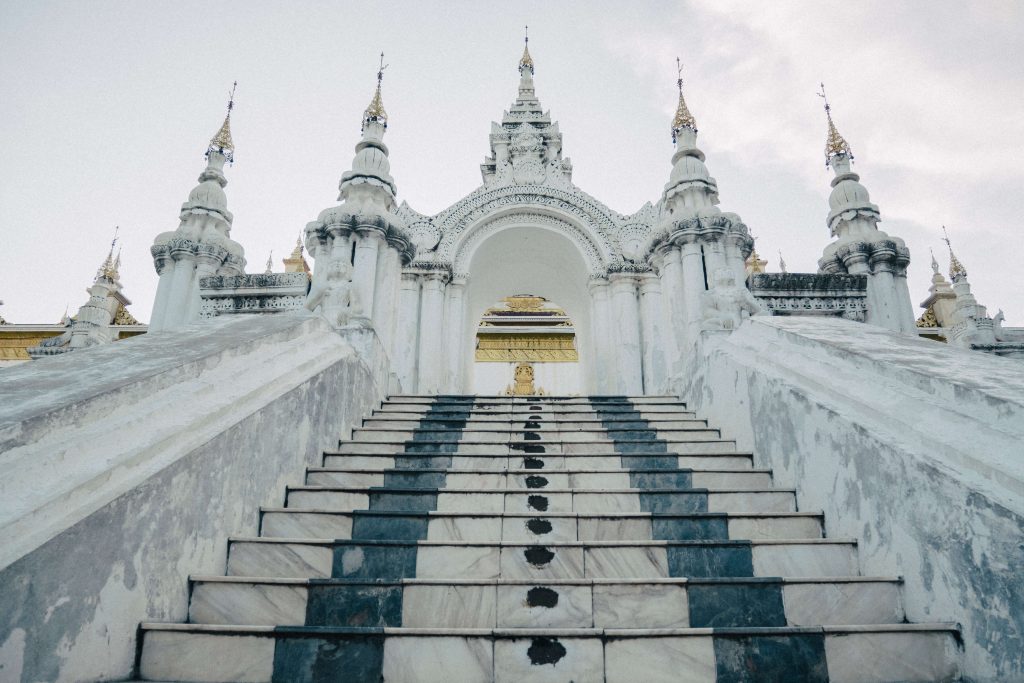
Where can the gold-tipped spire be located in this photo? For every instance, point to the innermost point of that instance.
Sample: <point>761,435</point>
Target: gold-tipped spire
<point>835,144</point>
<point>957,271</point>
<point>526,61</point>
<point>683,117</point>
<point>375,111</point>
<point>108,269</point>
<point>222,142</point>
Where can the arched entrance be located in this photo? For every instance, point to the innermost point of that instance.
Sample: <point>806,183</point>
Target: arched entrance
<point>535,259</point>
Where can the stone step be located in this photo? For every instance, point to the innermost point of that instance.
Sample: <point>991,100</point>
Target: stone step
<point>590,603</point>
<point>618,478</point>
<point>430,425</point>
<point>537,436</point>
<point>484,416</point>
<point>362,559</point>
<point>833,654</point>
<point>441,399</point>
<point>531,527</point>
<point>540,501</point>
<point>603,447</point>
<point>539,461</point>
<point>521,527</point>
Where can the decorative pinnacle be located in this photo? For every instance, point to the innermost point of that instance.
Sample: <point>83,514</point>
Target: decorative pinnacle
<point>935,264</point>
<point>683,117</point>
<point>297,251</point>
<point>782,263</point>
<point>957,272</point>
<point>221,142</point>
<point>270,264</point>
<point>375,111</point>
<point>526,61</point>
<point>834,143</point>
<point>108,269</point>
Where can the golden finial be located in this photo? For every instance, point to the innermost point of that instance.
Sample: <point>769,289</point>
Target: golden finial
<point>683,117</point>
<point>834,143</point>
<point>375,112</point>
<point>754,263</point>
<point>108,269</point>
<point>526,60</point>
<point>222,142</point>
<point>957,271</point>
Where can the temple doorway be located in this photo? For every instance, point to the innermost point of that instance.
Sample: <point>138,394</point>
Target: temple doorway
<point>526,345</point>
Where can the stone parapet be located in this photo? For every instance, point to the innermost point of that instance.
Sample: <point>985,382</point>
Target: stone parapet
<point>255,293</point>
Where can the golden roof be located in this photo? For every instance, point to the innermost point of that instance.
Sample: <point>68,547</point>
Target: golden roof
<point>123,317</point>
<point>835,144</point>
<point>683,117</point>
<point>375,111</point>
<point>222,141</point>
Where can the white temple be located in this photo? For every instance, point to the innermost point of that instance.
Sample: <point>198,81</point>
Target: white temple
<point>526,438</point>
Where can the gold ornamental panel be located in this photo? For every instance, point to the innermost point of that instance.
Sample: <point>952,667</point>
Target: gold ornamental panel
<point>526,348</point>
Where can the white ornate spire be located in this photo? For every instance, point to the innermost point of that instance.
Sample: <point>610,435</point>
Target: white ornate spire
<point>690,187</point>
<point>108,269</point>
<point>526,61</point>
<point>370,166</point>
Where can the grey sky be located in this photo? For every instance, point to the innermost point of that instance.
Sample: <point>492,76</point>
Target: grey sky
<point>106,109</point>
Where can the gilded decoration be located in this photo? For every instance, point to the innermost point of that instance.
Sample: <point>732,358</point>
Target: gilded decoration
<point>519,348</point>
<point>15,345</point>
<point>928,318</point>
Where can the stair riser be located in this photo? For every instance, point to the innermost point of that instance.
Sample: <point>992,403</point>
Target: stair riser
<point>486,562</point>
<point>531,481</point>
<point>691,447</point>
<point>630,605</point>
<point>521,415</point>
<point>532,436</point>
<point>541,501</point>
<point>542,461</point>
<point>807,657</point>
<point>542,425</point>
<point>298,524</point>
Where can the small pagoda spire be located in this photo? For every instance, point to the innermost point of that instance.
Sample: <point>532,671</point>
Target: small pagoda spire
<point>222,143</point>
<point>375,111</point>
<point>782,263</point>
<point>957,272</point>
<point>935,264</point>
<point>270,264</point>
<point>526,61</point>
<point>683,118</point>
<point>835,144</point>
<point>108,269</point>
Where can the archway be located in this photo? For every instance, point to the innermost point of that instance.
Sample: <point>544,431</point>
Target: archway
<point>534,259</point>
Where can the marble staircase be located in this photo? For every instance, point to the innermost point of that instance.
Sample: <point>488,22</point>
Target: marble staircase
<point>461,538</point>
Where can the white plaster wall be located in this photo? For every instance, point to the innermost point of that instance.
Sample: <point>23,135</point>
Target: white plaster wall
<point>128,465</point>
<point>910,446</point>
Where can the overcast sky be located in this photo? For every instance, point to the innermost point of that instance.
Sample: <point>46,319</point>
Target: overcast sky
<point>106,109</point>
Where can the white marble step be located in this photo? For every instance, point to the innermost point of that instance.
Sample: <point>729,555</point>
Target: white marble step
<point>516,400</point>
<point>489,416</point>
<point>539,480</point>
<point>431,425</point>
<point>522,527</point>
<point>590,603</point>
<point>526,408</point>
<point>315,558</point>
<point>851,654</point>
<point>696,446</point>
<point>540,461</point>
<point>540,501</point>
<point>531,436</point>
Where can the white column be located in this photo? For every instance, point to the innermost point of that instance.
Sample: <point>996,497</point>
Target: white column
<point>165,269</point>
<point>181,286</point>
<point>655,333</point>
<point>627,324</point>
<point>454,332</point>
<point>431,360</point>
<point>364,269</point>
<point>693,285</point>
<point>602,365</point>
<point>906,308</point>
<point>407,337</point>
<point>673,302</point>
<point>734,257</point>
<point>385,305</point>
<point>714,258</point>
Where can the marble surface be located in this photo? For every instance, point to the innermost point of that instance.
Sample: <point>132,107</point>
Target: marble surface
<point>449,606</point>
<point>474,529</point>
<point>327,500</point>
<point>527,605</point>
<point>660,660</point>
<point>470,502</point>
<point>539,529</point>
<point>612,529</point>
<point>765,528</point>
<point>299,524</point>
<point>582,661</point>
<point>437,659</point>
<point>812,560</point>
<point>640,605</point>
<point>562,562</point>
<point>293,560</point>
<point>760,501</point>
<point>603,502</point>
<point>812,604</point>
<point>907,657</point>
<point>626,562</point>
<point>264,604</point>
<point>206,658</point>
<point>455,562</point>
